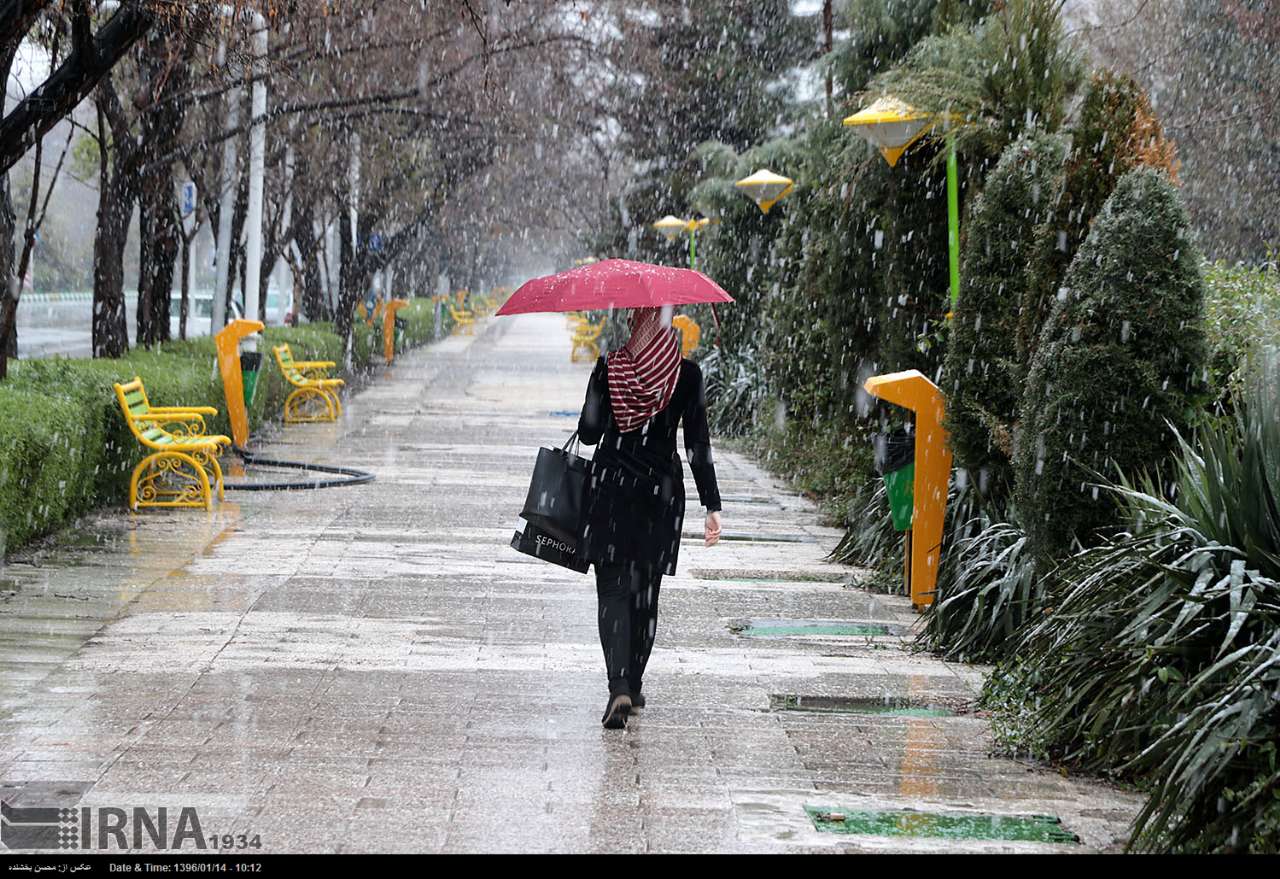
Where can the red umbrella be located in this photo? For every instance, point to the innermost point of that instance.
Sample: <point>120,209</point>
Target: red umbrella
<point>614,283</point>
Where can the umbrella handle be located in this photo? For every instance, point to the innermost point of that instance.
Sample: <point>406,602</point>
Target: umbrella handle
<point>715,315</point>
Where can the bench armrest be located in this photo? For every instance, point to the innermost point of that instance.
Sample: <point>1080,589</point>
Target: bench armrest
<point>184,410</point>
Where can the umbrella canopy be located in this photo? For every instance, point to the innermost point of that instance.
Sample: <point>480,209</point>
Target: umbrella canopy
<point>614,283</point>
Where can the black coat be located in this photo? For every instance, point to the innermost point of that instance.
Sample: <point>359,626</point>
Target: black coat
<point>635,506</point>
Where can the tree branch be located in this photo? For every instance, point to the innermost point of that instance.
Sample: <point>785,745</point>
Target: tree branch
<point>36,115</point>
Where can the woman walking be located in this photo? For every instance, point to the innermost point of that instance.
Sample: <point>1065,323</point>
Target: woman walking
<point>636,399</point>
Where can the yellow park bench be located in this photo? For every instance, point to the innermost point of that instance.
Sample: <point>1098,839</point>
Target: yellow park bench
<point>176,472</point>
<point>315,394</point>
<point>584,340</point>
<point>463,319</point>
<point>690,333</point>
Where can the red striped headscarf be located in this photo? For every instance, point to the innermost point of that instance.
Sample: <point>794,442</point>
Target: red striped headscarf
<point>644,372</point>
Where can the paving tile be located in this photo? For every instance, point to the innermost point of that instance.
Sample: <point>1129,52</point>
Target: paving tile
<point>373,669</point>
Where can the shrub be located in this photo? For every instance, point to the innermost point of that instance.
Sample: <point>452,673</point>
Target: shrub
<point>1120,359</point>
<point>1242,318</point>
<point>982,371</point>
<point>735,390</point>
<point>987,588</point>
<point>1116,131</point>
<point>1160,660</point>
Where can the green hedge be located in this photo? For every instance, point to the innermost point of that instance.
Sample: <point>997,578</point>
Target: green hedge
<point>64,448</point>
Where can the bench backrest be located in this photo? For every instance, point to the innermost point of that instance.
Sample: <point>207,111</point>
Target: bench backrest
<point>137,413</point>
<point>284,359</point>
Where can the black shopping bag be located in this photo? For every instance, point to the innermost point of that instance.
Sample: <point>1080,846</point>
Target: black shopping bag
<point>541,545</point>
<point>557,493</point>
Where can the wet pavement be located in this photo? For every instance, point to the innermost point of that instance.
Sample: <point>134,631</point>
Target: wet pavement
<point>375,669</point>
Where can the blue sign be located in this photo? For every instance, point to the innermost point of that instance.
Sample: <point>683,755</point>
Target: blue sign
<point>188,198</point>
<point>375,242</point>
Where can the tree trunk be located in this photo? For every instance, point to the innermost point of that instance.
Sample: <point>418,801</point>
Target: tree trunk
<point>9,286</point>
<point>184,308</point>
<point>353,278</point>
<point>116,193</point>
<point>161,239</point>
<point>110,324</point>
<point>347,297</point>
<point>306,267</point>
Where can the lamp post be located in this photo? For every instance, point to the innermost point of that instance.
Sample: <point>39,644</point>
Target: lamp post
<point>893,127</point>
<point>672,227</point>
<point>765,188</point>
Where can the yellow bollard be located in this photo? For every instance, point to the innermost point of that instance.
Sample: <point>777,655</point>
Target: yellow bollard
<point>389,327</point>
<point>912,390</point>
<point>227,341</point>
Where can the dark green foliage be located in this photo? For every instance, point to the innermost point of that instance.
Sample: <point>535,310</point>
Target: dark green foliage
<point>736,250</point>
<point>881,33</point>
<point>825,465</point>
<point>979,76</point>
<point>736,390</point>
<point>872,541</point>
<point>64,446</point>
<point>1242,320</point>
<point>987,593</point>
<point>1105,146</point>
<point>704,74</point>
<point>822,309</point>
<point>982,372</point>
<point>909,272</point>
<point>1120,360</point>
<point>1160,657</point>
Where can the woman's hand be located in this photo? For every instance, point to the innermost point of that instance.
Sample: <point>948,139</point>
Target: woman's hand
<point>712,529</point>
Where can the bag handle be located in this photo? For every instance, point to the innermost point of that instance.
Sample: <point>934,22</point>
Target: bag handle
<point>571,441</point>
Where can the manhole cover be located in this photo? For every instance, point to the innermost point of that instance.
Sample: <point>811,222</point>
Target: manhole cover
<point>893,706</point>
<point>943,825</point>
<point>827,628</point>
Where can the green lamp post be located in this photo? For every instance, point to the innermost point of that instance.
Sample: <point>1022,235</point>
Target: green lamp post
<point>672,227</point>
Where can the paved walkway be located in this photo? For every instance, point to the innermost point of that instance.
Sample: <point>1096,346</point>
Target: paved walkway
<point>374,669</point>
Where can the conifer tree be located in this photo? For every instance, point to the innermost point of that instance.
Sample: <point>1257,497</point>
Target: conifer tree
<point>1119,363</point>
<point>982,373</point>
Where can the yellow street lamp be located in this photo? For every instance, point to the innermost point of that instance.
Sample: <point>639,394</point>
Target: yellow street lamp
<point>672,227</point>
<point>893,127</point>
<point>766,188</point>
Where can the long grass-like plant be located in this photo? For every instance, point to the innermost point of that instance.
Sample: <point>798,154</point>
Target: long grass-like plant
<point>1160,657</point>
<point>735,389</point>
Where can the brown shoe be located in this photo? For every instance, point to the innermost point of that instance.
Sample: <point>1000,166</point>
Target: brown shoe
<point>615,714</point>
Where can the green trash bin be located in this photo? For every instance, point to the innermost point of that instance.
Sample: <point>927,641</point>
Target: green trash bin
<point>896,464</point>
<point>250,363</point>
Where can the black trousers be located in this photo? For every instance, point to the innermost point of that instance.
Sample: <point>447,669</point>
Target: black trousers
<point>628,618</point>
